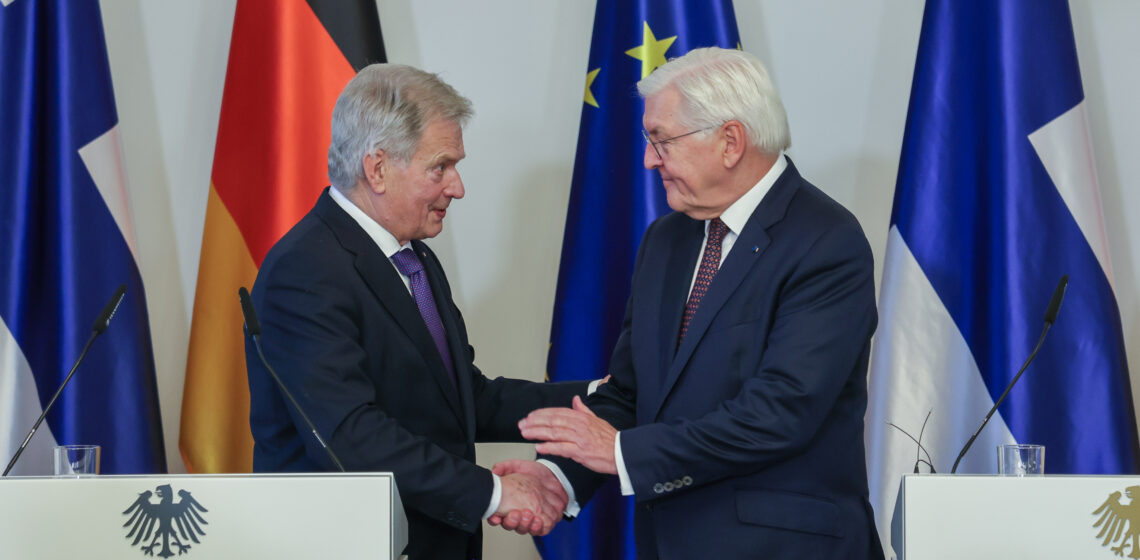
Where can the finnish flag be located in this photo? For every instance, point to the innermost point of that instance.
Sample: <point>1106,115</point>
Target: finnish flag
<point>66,244</point>
<point>996,199</point>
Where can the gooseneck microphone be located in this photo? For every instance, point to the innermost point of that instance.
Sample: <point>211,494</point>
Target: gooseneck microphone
<point>1050,318</point>
<point>101,324</point>
<point>253,327</point>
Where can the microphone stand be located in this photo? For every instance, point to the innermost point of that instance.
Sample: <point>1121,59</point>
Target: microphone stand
<point>253,326</point>
<point>101,324</point>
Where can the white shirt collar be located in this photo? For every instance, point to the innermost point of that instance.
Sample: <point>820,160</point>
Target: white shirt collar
<point>383,239</point>
<point>736,215</point>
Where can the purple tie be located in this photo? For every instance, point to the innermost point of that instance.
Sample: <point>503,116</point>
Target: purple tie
<point>710,263</point>
<point>409,265</point>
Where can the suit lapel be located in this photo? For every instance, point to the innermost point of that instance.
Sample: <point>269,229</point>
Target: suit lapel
<point>674,295</point>
<point>385,283</point>
<point>746,252</point>
<point>455,344</point>
<point>665,306</point>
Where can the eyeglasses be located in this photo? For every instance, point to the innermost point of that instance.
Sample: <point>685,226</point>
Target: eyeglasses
<point>661,147</point>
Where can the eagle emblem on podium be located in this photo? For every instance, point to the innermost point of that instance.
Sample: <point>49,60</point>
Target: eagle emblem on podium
<point>165,525</point>
<point>1120,522</point>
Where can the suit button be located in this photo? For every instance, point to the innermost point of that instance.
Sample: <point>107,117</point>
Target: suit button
<point>687,480</point>
<point>678,484</point>
<point>658,488</point>
<point>668,486</point>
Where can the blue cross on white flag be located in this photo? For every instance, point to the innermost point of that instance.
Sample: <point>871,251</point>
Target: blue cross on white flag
<point>996,199</point>
<point>66,244</point>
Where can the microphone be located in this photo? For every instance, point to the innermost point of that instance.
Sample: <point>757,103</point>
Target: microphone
<point>1055,303</point>
<point>1050,318</point>
<point>104,318</point>
<point>101,324</point>
<point>253,327</point>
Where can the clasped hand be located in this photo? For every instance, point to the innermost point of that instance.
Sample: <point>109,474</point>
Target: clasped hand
<point>533,500</point>
<point>575,433</point>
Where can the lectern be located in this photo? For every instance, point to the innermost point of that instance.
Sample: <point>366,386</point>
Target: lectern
<point>1043,517</point>
<point>198,517</point>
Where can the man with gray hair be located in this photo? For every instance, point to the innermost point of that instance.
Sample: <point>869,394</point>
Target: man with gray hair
<point>734,413</point>
<point>358,321</point>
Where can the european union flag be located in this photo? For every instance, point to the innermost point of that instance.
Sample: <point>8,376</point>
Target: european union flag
<point>997,199</point>
<point>66,244</point>
<point>613,199</point>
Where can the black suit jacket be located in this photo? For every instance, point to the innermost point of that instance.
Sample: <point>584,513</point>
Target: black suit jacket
<point>746,440</point>
<point>345,335</point>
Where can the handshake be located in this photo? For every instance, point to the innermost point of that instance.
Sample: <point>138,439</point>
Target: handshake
<point>533,499</point>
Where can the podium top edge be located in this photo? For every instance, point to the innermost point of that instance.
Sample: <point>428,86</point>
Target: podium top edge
<point>374,475</point>
<point>1032,477</point>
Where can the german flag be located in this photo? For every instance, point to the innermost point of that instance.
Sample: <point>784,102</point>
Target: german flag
<point>289,59</point>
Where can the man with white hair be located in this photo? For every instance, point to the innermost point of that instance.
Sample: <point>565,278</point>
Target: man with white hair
<point>358,320</point>
<point>735,409</point>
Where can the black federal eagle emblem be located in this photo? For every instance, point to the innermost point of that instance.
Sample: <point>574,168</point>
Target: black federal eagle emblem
<point>165,525</point>
<point>1120,522</point>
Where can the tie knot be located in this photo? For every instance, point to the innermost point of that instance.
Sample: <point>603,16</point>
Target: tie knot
<point>717,230</point>
<point>407,262</point>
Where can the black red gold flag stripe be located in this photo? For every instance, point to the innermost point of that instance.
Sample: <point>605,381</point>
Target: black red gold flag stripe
<point>288,61</point>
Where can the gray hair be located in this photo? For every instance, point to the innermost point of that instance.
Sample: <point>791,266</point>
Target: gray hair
<point>386,107</point>
<point>719,85</point>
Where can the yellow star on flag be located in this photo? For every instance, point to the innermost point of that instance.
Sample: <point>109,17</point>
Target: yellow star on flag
<point>590,77</point>
<point>651,52</point>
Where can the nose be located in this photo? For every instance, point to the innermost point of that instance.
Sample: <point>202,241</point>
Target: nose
<point>651,160</point>
<point>455,187</point>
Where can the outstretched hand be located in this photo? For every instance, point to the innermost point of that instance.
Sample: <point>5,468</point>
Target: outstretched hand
<point>575,433</point>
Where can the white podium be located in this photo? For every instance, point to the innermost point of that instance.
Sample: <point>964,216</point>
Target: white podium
<point>198,517</point>
<point>1044,517</point>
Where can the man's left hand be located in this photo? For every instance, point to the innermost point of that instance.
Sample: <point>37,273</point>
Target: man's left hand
<point>576,434</point>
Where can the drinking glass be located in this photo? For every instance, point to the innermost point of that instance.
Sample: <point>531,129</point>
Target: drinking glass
<point>1021,460</point>
<point>77,460</point>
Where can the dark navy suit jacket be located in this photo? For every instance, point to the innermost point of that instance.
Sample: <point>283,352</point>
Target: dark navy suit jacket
<point>346,337</point>
<point>746,441</point>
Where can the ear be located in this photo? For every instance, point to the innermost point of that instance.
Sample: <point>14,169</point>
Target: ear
<point>375,170</point>
<point>735,143</point>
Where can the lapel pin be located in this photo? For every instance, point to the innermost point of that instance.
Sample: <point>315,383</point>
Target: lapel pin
<point>755,248</point>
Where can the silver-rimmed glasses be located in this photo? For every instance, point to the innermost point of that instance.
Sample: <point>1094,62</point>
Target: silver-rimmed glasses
<point>661,146</point>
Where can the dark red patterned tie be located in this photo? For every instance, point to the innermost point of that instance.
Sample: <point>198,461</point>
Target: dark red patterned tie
<point>710,263</point>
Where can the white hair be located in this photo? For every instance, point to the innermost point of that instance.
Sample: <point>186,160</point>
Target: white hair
<point>720,85</point>
<point>386,107</point>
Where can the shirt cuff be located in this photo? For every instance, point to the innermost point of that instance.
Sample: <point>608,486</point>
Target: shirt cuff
<point>593,386</point>
<point>572,507</point>
<point>496,497</point>
<point>623,475</point>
